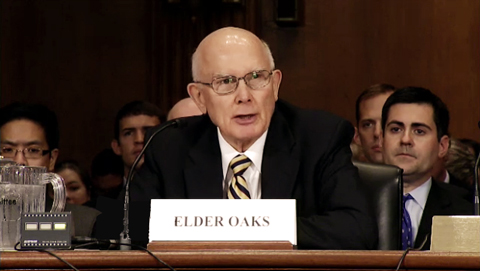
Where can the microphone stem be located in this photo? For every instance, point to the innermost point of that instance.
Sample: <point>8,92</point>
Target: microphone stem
<point>124,235</point>
<point>475,186</point>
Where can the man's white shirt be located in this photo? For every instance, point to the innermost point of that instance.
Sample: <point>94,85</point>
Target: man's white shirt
<point>253,174</point>
<point>416,206</point>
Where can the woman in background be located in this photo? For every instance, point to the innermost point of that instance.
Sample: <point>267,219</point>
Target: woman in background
<point>77,181</point>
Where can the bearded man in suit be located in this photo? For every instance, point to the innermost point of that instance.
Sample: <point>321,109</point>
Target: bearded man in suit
<point>292,153</point>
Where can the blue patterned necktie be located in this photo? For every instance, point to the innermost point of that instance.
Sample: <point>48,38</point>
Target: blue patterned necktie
<point>238,188</point>
<point>407,233</point>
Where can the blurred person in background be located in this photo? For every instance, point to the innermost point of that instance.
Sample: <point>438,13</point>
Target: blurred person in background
<point>107,174</point>
<point>357,153</point>
<point>77,181</point>
<point>184,108</point>
<point>368,113</point>
<point>460,164</point>
<point>473,146</point>
<point>131,123</point>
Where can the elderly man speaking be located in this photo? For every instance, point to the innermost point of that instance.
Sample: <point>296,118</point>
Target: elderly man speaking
<point>284,152</point>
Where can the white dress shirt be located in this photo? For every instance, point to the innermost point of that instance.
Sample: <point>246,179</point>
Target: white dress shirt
<point>253,174</point>
<point>447,177</point>
<point>416,205</point>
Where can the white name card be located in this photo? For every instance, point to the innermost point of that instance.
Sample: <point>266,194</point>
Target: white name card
<point>223,220</point>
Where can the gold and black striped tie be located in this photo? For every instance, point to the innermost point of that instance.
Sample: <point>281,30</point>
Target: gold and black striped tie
<point>238,188</point>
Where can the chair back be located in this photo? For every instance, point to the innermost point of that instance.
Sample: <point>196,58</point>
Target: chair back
<point>384,187</point>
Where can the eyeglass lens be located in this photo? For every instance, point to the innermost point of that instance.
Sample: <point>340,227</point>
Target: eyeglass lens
<point>8,152</point>
<point>254,80</point>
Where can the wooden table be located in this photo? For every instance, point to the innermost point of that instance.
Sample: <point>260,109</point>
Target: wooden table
<point>243,259</point>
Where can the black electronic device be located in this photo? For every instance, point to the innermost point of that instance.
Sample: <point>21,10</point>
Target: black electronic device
<point>46,230</point>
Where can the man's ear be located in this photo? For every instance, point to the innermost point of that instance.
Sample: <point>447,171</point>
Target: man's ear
<point>197,96</point>
<point>53,160</point>
<point>277,80</point>
<point>356,137</point>
<point>116,147</point>
<point>444,145</point>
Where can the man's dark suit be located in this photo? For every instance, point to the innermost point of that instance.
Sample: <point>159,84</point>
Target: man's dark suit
<point>443,199</point>
<point>306,157</point>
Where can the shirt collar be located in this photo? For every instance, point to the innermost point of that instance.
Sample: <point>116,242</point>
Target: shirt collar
<point>254,153</point>
<point>420,194</point>
<point>447,177</point>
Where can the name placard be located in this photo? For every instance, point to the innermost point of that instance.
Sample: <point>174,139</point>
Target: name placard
<point>223,220</point>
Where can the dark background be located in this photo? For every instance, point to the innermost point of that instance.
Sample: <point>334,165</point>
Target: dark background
<point>86,58</point>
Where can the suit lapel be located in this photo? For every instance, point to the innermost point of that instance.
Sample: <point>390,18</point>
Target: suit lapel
<point>204,174</point>
<point>436,202</point>
<point>203,170</point>
<point>279,165</point>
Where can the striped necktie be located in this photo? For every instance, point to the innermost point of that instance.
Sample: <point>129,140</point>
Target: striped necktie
<point>407,235</point>
<point>238,188</point>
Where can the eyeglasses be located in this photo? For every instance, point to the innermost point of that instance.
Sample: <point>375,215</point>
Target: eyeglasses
<point>29,153</point>
<point>228,84</point>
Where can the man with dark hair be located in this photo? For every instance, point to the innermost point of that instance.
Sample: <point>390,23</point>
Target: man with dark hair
<point>29,135</point>
<point>131,123</point>
<point>368,112</point>
<point>415,135</point>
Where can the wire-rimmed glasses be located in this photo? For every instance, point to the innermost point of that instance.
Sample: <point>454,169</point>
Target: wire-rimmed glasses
<point>228,84</point>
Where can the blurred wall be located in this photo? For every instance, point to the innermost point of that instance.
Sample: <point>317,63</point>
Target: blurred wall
<point>346,46</point>
<point>85,59</point>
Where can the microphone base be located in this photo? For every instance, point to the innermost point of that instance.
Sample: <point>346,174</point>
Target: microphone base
<point>125,240</point>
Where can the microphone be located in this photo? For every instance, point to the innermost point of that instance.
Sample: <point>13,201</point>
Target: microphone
<point>124,235</point>
<point>475,184</point>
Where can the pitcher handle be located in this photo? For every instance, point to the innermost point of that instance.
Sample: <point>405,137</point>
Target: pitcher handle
<point>58,190</point>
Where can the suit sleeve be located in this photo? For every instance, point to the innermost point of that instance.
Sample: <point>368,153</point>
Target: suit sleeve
<point>342,219</point>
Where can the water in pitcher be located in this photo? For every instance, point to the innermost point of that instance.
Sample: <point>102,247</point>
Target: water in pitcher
<point>12,204</point>
<point>22,190</point>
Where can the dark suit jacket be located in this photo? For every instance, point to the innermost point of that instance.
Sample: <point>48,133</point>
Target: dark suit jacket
<point>306,157</point>
<point>443,199</point>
